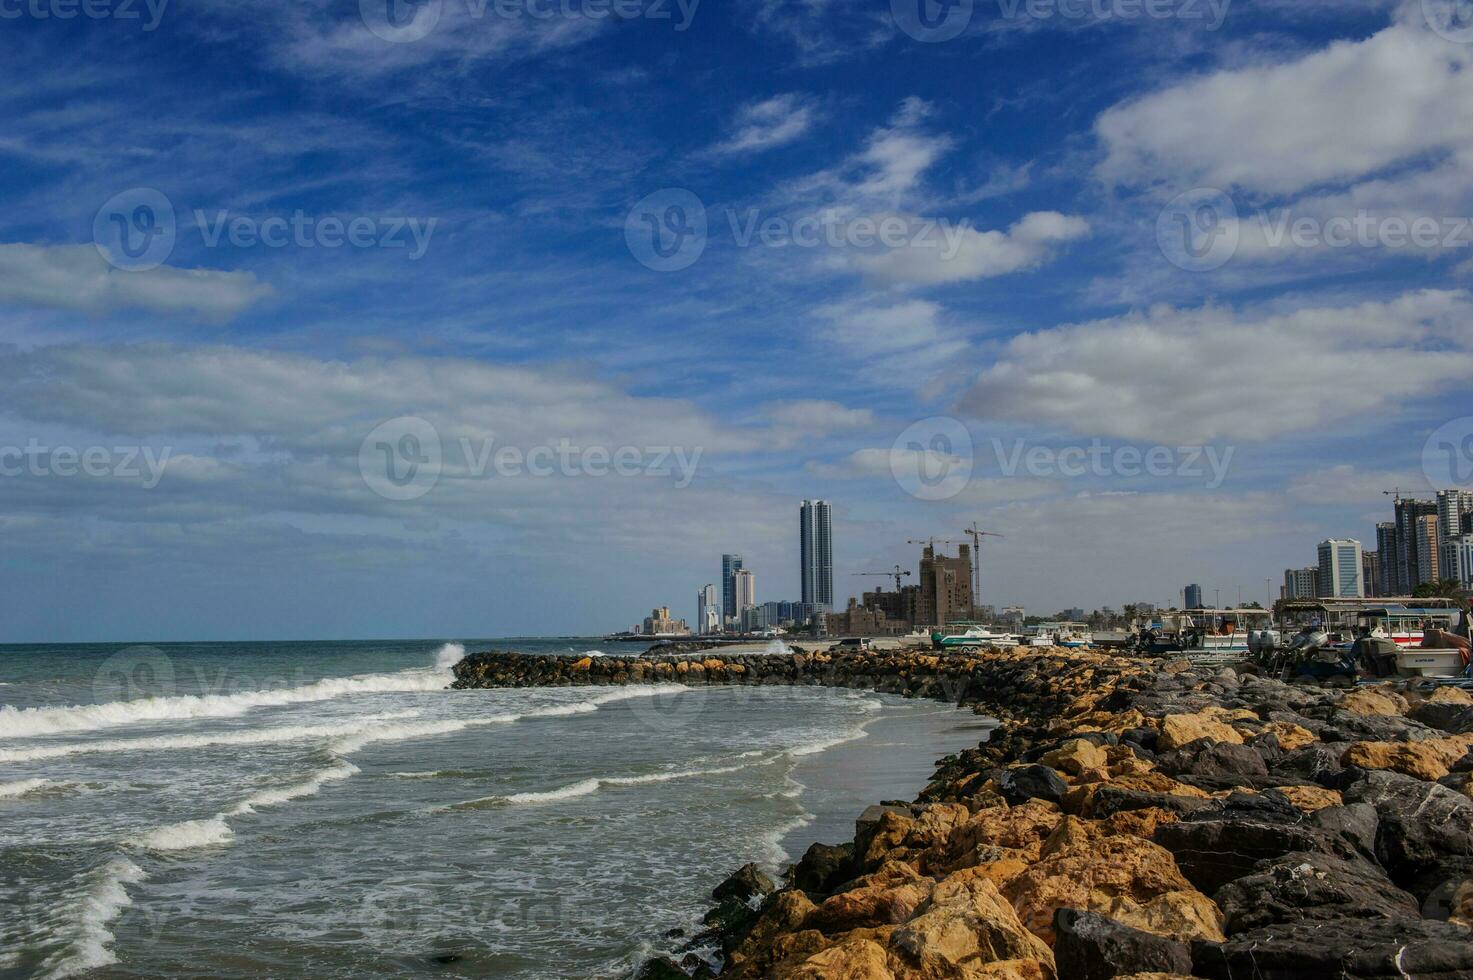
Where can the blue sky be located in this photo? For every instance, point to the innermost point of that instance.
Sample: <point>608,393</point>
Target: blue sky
<point>1031,309</point>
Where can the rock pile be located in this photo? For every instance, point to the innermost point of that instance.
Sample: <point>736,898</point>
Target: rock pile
<point>1129,819</point>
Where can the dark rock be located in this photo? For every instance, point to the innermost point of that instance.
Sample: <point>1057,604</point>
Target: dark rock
<point>1347,949</point>
<point>1436,886</point>
<point>1345,726</point>
<point>660,968</point>
<point>1298,886</point>
<point>1221,843</point>
<point>747,883</point>
<point>1093,947</point>
<point>1112,799</point>
<point>1207,758</point>
<point>1355,825</point>
<point>1145,738</point>
<point>823,868</point>
<point>1421,823</point>
<point>1446,715</point>
<point>1026,783</point>
<point>1318,762</point>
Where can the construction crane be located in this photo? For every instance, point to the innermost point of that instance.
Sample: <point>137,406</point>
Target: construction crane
<point>1394,492</point>
<point>896,575</point>
<point>977,534</point>
<point>931,542</point>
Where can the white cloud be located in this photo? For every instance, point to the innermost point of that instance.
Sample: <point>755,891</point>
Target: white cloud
<point>817,417</point>
<point>952,253</point>
<point>1402,97</point>
<point>1195,375</point>
<point>767,124</point>
<point>77,277</point>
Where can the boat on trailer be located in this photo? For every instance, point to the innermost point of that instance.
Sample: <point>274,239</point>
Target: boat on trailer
<point>971,636</point>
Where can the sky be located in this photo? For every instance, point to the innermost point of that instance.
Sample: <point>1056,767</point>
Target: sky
<point>464,318</point>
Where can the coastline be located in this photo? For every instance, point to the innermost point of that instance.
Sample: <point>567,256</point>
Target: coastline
<point>1129,816</point>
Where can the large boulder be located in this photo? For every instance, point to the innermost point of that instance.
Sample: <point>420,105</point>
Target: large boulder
<point>1036,782</point>
<point>1089,946</point>
<point>854,959</point>
<point>1346,949</point>
<point>1300,886</point>
<point>1224,842</point>
<point>1180,729</point>
<point>748,883</point>
<point>967,923</point>
<point>1374,701</point>
<point>1213,759</point>
<point>1421,823</point>
<point>823,868</point>
<point>888,896</point>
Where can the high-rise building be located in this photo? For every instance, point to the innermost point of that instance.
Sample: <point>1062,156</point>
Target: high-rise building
<point>744,590</point>
<point>1340,569</point>
<point>1387,578</point>
<point>1408,542</point>
<point>1301,583</point>
<point>1451,506</point>
<point>1370,573</point>
<point>816,552</point>
<point>1462,567</point>
<point>708,611</point>
<point>1194,596</point>
<point>946,587</point>
<point>1428,545</point>
<point>660,623</point>
<point>730,565</point>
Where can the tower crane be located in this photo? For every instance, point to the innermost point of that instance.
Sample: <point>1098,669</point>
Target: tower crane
<point>977,534</point>
<point>896,575</point>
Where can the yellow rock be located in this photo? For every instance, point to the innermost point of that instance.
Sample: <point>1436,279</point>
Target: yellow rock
<point>1374,701</point>
<point>1428,759</point>
<point>856,959</point>
<point>583,664</point>
<point>1290,735</point>
<point>1076,756</point>
<point>885,897</point>
<point>1451,695</point>
<point>1178,730</point>
<point>1311,798</point>
<point>967,922</point>
<point>1118,876</point>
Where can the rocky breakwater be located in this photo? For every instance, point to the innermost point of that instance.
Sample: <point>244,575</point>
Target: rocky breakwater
<point>1129,819</point>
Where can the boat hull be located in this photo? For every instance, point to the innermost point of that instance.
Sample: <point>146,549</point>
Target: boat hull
<point>1430,663</point>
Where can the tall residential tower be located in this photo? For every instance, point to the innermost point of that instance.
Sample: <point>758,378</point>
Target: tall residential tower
<point>816,552</point>
<point>730,565</point>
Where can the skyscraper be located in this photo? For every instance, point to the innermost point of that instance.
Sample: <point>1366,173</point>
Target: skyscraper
<point>1340,566</point>
<point>1429,543</point>
<point>816,552</point>
<point>1387,578</point>
<point>1301,583</point>
<point>946,587</point>
<point>1194,596</point>
<point>708,611</point>
<point>744,590</point>
<point>1408,542</point>
<point>730,565</point>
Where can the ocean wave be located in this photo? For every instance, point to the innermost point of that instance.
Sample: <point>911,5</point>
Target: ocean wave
<point>22,787</point>
<point>310,786</point>
<point>586,787</point>
<point>28,722</point>
<point>185,836</point>
<point>84,919</point>
<point>261,736</point>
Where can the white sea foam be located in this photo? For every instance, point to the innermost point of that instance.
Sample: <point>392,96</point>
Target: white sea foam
<point>185,836</point>
<point>310,786</point>
<point>586,787</point>
<point>260,736</point>
<point>26,722</point>
<point>84,919</point>
<point>22,787</point>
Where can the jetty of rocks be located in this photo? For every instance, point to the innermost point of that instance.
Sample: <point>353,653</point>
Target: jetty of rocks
<point>1131,817</point>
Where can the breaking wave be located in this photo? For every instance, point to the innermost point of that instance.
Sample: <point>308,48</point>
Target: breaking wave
<point>85,915</point>
<point>26,722</point>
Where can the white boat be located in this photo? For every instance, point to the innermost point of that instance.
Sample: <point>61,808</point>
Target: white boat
<point>1417,662</point>
<point>973,636</point>
<point>1071,640</point>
